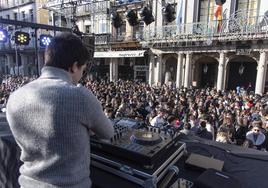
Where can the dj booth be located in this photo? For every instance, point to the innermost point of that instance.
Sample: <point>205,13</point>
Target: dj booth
<point>139,156</point>
<point>148,157</point>
<point>119,164</point>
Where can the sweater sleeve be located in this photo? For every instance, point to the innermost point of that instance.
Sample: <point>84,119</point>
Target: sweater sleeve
<point>95,117</point>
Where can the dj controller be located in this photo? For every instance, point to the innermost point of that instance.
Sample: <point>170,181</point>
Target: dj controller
<point>147,147</point>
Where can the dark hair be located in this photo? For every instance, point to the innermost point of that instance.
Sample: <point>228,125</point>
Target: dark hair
<point>203,124</point>
<point>64,50</point>
<point>187,126</point>
<point>171,118</point>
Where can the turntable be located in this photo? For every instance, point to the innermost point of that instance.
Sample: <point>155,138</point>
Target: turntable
<point>145,138</point>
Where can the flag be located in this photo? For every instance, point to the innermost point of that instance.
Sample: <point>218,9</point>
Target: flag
<point>179,12</point>
<point>218,12</point>
<point>218,15</point>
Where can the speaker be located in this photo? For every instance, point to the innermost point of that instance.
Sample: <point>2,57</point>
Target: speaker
<point>212,178</point>
<point>220,2</point>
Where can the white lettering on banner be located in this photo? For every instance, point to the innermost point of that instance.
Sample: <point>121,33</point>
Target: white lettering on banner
<point>118,54</point>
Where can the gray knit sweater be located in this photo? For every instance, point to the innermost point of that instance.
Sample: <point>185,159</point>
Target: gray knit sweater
<point>50,119</point>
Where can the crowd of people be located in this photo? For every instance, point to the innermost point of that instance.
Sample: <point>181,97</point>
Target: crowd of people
<point>10,83</point>
<point>233,117</point>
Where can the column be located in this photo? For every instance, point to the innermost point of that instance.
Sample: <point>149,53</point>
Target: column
<point>151,70</point>
<point>221,69</point>
<point>11,64</point>
<point>187,70</point>
<point>113,69</point>
<point>24,65</point>
<point>261,74</point>
<point>179,73</point>
<point>159,71</point>
<point>183,69</point>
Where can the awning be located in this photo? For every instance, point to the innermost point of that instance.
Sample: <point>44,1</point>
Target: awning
<point>118,54</point>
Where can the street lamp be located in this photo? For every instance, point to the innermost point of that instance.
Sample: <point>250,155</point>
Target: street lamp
<point>241,69</point>
<point>205,68</point>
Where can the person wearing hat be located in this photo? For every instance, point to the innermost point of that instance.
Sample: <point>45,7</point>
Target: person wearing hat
<point>256,136</point>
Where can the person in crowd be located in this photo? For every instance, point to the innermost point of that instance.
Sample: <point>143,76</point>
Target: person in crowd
<point>265,143</point>
<point>202,131</point>
<point>228,126</point>
<point>194,124</point>
<point>52,119</point>
<point>109,113</point>
<point>187,130</point>
<point>172,124</point>
<point>159,121</point>
<point>256,136</point>
<point>223,137</point>
<point>241,130</point>
<point>247,144</point>
<point>209,126</point>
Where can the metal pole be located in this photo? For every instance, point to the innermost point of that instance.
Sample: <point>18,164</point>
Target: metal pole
<point>54,23</point>
<point>17,60</point>
<point>36,52</point>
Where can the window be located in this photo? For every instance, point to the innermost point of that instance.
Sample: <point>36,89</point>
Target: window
<point>31,15</point>
<point>87,8</point>
<point>248,7</point>
<point>207,10</point>
<point>102,27</point>
<point>15,16</point>
<point>88,29</point>
<point>23,15</point>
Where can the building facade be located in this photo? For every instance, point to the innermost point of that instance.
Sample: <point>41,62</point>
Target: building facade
<point>207,45</point>
<point>218,46</point>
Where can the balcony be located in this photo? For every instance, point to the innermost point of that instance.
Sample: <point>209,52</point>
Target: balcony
<point>127,37</point>
<point>102,39</point>
<point>238,27</point>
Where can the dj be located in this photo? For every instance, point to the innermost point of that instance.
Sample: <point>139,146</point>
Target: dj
<point>51,118</point>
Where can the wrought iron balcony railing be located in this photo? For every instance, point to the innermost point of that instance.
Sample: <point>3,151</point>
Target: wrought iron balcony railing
<point>102,39</point>
<point>127,37</point>
<point>236,28</point>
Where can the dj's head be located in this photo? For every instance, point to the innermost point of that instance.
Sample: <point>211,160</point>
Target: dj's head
<point>66,51</point>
